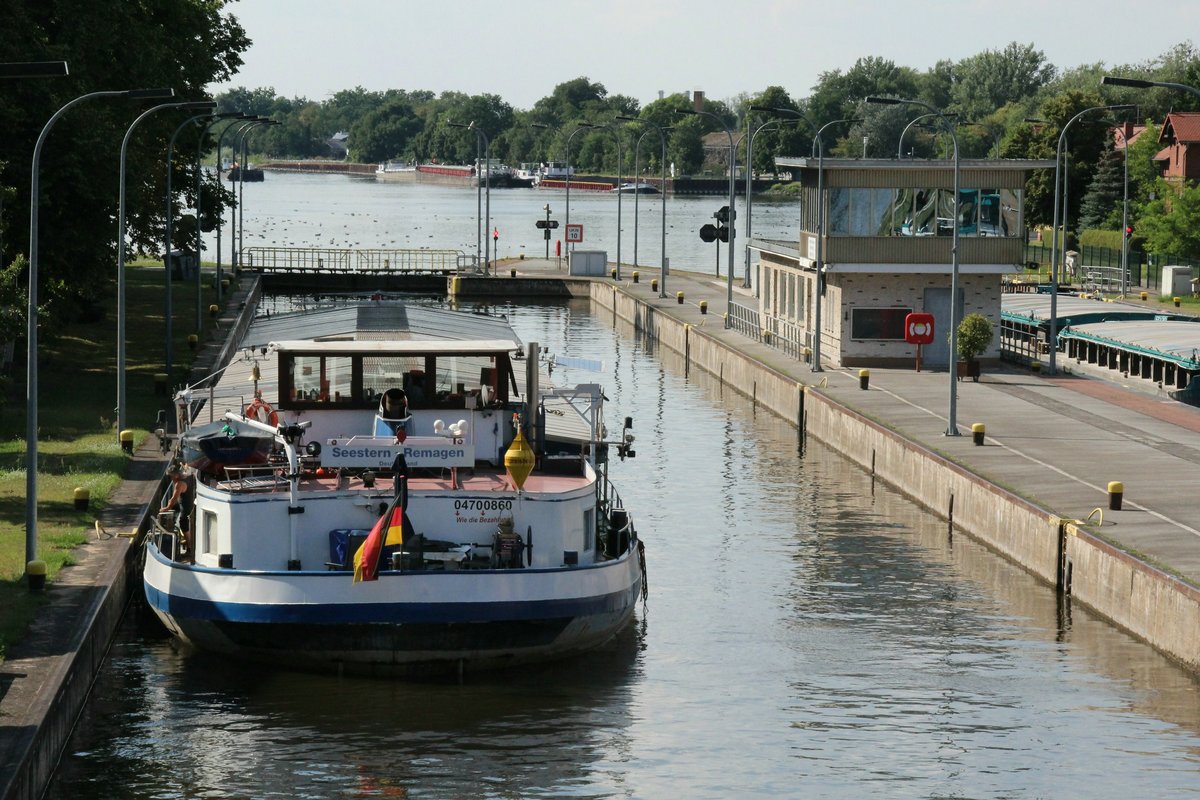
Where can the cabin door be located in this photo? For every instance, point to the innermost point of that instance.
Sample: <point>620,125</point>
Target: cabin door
<point>936,355</point>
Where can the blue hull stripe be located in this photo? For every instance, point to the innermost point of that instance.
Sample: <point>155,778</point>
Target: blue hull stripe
<point>389,613</point>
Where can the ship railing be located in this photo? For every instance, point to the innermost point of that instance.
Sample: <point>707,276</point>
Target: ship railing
<point>253,478</point>
<point>370,261</point>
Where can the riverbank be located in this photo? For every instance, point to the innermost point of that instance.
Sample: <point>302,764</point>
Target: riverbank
<point>1052,445</point>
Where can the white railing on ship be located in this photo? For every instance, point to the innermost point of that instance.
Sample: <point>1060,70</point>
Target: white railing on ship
<point>373,261</point>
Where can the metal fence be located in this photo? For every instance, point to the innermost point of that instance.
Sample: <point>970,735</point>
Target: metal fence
<point>744,320</point>
<point>1145,269</point>
<point>368,261</point>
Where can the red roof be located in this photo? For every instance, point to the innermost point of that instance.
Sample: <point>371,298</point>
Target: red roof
<point>1181,127</point>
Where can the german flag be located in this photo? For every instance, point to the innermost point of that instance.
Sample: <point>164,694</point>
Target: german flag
<point>389,530</point>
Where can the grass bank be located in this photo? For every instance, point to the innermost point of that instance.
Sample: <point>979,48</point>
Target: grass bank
<point>77,437</point>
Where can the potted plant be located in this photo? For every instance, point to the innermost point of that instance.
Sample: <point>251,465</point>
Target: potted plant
<point>974,336</point>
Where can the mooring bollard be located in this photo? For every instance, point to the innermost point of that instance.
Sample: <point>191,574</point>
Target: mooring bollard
<point>635,276</point>
<point>193,340</point>
<point>703,306</point>
<point>679,298</point>
<point>213,311</point>
<point>1145,295</point>
<point>977,432</point>
<point>1116,491</point>
<point>864,379</point>
<point>654,284</point>
<point>36,570</point>
<point>82,497</point>
<point>512,273</point>
<point>1176,301</point>
<point>126,438</point>
<point>613,272</point>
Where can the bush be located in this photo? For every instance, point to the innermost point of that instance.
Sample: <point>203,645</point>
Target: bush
<point>974,335</point>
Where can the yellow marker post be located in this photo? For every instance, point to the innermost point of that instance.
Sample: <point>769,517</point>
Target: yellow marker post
<point>978,430</point>
<point>1116,492</point>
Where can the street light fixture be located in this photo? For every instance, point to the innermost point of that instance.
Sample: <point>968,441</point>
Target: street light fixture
<point>1059,188</point>
<point>168,311</point>
<point>121,377</point>
<point>1135,83</point>
<point>31,338</point>
<point>952,427</point>
<point>239,126</point>
<point>911,123</point>
<point>567,158</point>
<point>820,263</point>
<point>732,201</point>
<point>487,185</point>
<point>33,69</point>
<point>244,138</point>
<point>662,140</point>
<point>229,115</point>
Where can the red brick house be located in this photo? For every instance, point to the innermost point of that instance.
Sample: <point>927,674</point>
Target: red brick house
<point>1179,158</point>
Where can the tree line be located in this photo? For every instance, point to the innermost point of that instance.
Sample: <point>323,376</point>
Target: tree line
<point>190,44</point>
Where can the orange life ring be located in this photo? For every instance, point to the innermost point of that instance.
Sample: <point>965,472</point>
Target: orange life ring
<point>261,411</point>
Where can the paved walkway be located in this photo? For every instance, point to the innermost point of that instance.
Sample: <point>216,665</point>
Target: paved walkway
<point>1057,441</point>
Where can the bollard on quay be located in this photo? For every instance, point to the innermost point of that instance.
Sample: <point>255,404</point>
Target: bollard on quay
<point>654,284</point>
<point>36,571</point>
<point>978,430</point>
<point>679,298</point>
<point>82,498</point>
<point>1116,492</point>
<point>864,379</point>
<point>703,306</point>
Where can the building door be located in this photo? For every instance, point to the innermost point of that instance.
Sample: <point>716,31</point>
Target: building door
<point>937,302</point>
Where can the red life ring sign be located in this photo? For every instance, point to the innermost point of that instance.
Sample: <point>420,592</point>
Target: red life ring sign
<point>918,328</point>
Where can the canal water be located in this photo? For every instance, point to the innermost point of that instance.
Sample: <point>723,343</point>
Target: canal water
<point>808,633</point>
<point>348,211</point>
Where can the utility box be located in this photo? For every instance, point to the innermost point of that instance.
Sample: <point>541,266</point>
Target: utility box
<point>1176,281</point>
<point>588,262</point>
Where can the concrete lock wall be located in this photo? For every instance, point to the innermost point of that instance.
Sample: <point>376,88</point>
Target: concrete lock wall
<point>1146,602</point>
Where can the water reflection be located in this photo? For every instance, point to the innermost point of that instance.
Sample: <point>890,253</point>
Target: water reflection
<point>808,633</point>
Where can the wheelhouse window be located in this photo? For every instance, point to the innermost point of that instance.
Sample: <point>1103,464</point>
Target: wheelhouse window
<point>443,380</point>
<point>924,212</point>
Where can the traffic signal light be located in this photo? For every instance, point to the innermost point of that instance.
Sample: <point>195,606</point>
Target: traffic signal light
<point>722,215</point>
<point>1128,232</point>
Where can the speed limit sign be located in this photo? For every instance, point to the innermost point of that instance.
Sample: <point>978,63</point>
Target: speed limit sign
<point>574,233</point>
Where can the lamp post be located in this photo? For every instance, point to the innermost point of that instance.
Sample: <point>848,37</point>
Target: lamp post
<point>235,115</point>
<point>31,383</point>
<point>121,377</point>
<point>567,158</point>
<point>235,263</point>
<point>487,184</point>
<point>1135,83</point>
<point>820,264</point>
<point>732,200</point>
<point>1059,188</point>
<point>662,160</point>
<point>952,427</point>
<point>750,189</point>
<point>239,127</point>
<point>616,129</point>
<point>911,123</point>
<point>236,217</point>
<point>168,311</point>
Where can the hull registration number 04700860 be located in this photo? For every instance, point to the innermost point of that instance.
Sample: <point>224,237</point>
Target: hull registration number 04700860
<point>482,505</point>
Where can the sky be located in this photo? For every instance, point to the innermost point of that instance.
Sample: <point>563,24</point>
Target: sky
<point>521,49</point>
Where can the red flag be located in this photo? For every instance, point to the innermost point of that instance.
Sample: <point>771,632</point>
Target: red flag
<point>389,530</point>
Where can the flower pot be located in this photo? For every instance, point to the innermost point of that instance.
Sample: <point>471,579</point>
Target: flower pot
<point>968,369</point>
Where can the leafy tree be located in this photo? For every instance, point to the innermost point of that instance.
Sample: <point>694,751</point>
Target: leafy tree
<point>993,78</point>
<point>1170,223</point>
<point>182,44</point>
<point>384,132</point>
<point>837,95</point>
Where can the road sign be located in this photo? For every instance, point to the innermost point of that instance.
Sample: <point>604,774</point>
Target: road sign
<point>708,233</point>
<point>574,233</point>
<point>546,223</point>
